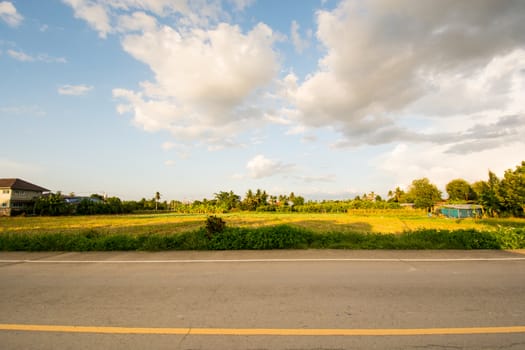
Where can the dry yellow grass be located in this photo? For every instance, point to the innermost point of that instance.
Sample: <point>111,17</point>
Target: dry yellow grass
<point>357,221</point>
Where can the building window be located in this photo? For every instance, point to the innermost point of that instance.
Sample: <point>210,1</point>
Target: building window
<point>4,205</point>
<point>5,191</point>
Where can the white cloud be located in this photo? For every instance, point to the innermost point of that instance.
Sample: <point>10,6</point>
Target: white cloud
<point>109,16</point>
<point>169,162</point>
<point>260,167</point>
<point>50,59</point>
<point>20,56</point>
<point>206,81</point>
<point>400,59</point>
<point>276,119</point>
<point>217,144</point>
<point>23,57</point>
<point>309,138</point>
<point>95,14</point>
<point>181,150</point>
<point>299,44</point>
<point>74,90</point>
<point>168,145</point>
<point>296,130</point>
<point>240,5</point>
<point>25,111</point>
<point>320,178</point>
<point>209,77</point>
<point>137,21</point>
<point>408,162</point>
<point>9,14</point>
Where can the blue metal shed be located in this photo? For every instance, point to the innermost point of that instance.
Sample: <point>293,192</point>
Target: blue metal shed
<point>460,211</point>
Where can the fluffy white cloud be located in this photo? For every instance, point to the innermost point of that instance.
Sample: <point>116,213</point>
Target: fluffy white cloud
<point>260,167</point>
<point>74,90</point>
<point>137,21</point>
<point>205,80</point>
<point>209,77</point>
<point>407,162</point>
<point>109,16</point>
<point>95,14</point>
<point>9,14</point>
<point>403,59</point>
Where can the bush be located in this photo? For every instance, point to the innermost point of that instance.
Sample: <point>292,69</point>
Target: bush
<point>214,226</point>
<point>216,236</point>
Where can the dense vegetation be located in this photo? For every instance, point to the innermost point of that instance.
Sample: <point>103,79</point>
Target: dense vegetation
<point>272,237</point>
<point>357,229</point>
<point>499,197</point>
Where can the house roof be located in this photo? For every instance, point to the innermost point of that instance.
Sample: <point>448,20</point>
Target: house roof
<point>19,184</point>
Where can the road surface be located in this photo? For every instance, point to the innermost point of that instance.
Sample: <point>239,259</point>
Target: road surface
<point>263,300</point>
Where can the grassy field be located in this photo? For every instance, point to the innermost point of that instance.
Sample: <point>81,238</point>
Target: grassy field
<point>358,229</point>
<point>361,221</point>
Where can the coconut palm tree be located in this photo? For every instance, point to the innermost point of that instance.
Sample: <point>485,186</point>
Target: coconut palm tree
<point>157,199</point>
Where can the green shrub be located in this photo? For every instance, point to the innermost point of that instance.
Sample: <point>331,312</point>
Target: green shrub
<point>270,237</point>
<point>276,237</point>
<point>214,226</point>
<point>511,238</point>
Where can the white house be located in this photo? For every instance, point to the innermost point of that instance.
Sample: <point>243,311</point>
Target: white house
<point>17,195</point>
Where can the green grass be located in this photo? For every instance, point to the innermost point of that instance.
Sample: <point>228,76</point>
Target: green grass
<point>401,229</point>
<point>268,237</point>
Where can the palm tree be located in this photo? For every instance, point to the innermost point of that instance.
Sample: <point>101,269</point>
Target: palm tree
<point>157,199</point>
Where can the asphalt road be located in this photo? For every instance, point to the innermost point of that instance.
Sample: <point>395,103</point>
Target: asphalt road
<point>263,300</point>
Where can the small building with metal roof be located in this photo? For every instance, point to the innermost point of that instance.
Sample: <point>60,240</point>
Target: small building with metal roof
<point>461,211</point>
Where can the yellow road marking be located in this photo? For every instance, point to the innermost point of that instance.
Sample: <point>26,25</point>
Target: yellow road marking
<point>262,331</point>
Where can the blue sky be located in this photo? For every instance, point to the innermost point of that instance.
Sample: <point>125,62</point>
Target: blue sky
<point>327,99</point>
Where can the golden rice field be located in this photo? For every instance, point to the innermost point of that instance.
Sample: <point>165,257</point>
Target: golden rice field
<point>376,221</point>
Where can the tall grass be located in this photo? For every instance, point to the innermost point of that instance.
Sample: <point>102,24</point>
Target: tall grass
<point>274,237</point>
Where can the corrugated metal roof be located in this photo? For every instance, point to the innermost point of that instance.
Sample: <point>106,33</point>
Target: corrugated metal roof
<point>463,206</point>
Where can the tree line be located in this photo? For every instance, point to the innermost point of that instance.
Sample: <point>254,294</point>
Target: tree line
<point>499,197</point>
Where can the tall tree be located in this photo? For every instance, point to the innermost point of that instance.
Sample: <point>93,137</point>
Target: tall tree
<point>157,199</point>
<point>227,200</point>
<point>249,202</point>
<point>51,204</point>
<point>424,194</point>
<point>489,195</point>
<point>477,187</point>
<point>396,196</point>
<point>261,198</point>
<point>460,190</point>
<point>298,200</point>
<point>512,190</point>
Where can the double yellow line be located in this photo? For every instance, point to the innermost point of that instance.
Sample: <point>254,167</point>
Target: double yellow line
<point>262,331</point>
